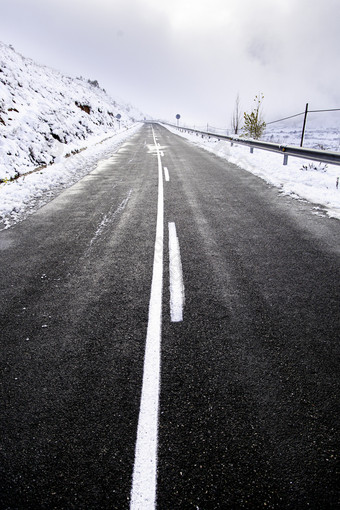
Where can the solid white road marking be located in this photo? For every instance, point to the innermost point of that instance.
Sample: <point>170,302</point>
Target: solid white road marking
<point>166,174</point>
<point>144,479</point>
<point>177,295</point>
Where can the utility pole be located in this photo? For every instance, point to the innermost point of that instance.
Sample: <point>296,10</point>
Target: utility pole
<point>304,125</point>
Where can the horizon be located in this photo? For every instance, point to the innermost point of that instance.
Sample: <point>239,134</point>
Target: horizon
<point>185,56</point>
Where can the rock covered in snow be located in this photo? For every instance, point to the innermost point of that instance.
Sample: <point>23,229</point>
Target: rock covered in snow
<point>44,114</point>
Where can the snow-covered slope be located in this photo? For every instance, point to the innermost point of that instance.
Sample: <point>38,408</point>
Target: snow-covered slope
<point>44,114</point>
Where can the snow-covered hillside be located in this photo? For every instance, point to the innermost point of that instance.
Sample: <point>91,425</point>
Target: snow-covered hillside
<point>45,115</point>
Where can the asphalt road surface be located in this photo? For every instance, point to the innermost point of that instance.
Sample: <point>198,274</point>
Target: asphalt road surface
<point>247,285</point>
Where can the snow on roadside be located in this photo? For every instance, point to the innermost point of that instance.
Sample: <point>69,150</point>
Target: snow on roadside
<point>26,194</point>
<point>315,186</point>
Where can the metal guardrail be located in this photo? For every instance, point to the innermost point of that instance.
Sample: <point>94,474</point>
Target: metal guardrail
<point>287,150</point>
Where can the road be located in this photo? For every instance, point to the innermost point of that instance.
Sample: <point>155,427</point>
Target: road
<point>234,288</point>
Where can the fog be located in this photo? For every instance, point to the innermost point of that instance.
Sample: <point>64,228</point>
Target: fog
<point>190,57</point>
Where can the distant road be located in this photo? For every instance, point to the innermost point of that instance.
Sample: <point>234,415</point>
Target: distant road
<point>230,294</point>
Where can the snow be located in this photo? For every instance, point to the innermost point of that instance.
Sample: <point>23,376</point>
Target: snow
<point>26,194</point>
<point>44,114</point>
<point>108,218</point>
<point>55,129</point>
<point>301,179</point>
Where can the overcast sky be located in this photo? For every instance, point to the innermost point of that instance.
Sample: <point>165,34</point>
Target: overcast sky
<point>190,57</point>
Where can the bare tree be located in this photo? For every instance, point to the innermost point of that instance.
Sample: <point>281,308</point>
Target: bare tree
<point>237,117</point>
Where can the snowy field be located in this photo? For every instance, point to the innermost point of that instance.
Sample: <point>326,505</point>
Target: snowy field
<point>301,179</point>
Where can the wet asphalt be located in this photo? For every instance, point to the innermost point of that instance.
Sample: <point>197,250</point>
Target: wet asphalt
<point>249,397</point>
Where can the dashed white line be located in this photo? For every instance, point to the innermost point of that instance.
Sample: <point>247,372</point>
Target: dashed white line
<point>144,479</point>
<point>166,174</point>
<point>177,295</point>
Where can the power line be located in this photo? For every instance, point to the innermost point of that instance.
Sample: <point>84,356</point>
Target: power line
<point>302,113</point>
<point>285,118</point>
<point>332,110</point>
<point>279,120</point>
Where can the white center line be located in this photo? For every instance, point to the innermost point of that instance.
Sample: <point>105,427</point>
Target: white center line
<point>166,174</point>
<point>144,479</point>
<point>177,296</point>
